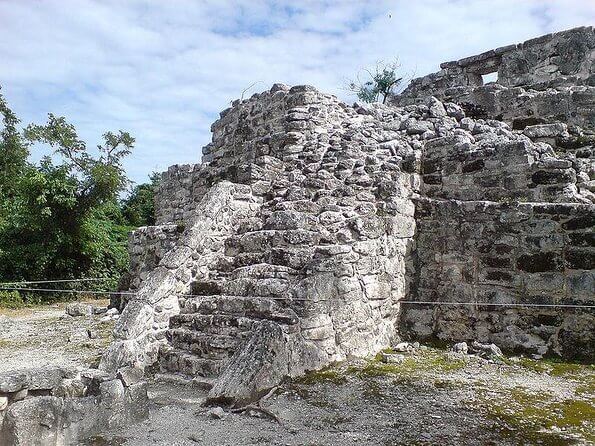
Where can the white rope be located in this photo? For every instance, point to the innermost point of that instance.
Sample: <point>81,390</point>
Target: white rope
<point>23,282</point>
<point>418,302</point>
<point>412,302</point>
<point>488,304</point>
<point>50,290</point>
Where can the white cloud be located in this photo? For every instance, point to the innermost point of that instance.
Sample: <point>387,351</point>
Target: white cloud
<point>164,69</point>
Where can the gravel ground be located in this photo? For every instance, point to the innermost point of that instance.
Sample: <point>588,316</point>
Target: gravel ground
<point>46,336</point>
<point>433,397</point>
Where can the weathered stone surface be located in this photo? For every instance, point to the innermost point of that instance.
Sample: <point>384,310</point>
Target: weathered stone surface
<point>54,407</point>
<point>538,82</point>
<point>292,245</point>
<point>255,368</point>
<point>13,382</point>
<point>79,309</point>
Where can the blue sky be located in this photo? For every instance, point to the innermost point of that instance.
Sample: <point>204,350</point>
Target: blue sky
<point>163,70</point>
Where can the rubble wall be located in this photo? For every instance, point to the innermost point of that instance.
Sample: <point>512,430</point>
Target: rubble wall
<point>505,253</point>
<point>141,328</point>
<point>547,79</point>
<point>55,406</point>
<point>310,221</point>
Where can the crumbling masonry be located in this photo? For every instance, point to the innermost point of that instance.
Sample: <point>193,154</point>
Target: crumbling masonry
<point>315,230</point>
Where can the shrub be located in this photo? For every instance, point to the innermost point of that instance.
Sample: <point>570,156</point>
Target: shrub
<point>10,299</point>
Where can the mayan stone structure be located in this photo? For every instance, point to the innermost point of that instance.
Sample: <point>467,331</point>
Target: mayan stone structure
<point>314,230</point>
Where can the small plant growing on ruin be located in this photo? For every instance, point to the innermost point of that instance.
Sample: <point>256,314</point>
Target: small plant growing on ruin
<point>379,82</point>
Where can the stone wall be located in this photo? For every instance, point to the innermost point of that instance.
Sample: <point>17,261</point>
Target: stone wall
<point>141,328</point>
<point>505,253</point>
<point>485,160</point>
<point>547,79</point>
<point>147,246</point>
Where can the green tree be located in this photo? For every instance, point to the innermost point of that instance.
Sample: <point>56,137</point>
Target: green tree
<point>13,150</point>
<point>61,218</point>
<point>139,207</point>
<point>380,82</point>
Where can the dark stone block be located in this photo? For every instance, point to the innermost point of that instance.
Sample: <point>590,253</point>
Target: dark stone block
<point>205,288</point>
<point>430,166</point>
<point>409,165</point>
<point>503,249</point>
<point>575,259</point>
<point>473,166</point>
<point>552,177</point>
<point>537,263</point>
<point>432,179</point>
<point>553,320</point>
<point>521,123</point>
<point>582,222</point>
<point>553,209</point>
<point>500,276</point>
<point>582,239</point>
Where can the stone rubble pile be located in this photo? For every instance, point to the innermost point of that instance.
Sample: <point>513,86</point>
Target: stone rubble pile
<point>56,406</point>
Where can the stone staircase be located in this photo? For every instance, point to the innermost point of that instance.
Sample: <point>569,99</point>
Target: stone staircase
<point>208,330</point>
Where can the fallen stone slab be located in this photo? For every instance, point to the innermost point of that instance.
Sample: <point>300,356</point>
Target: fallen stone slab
<point>76,309</point>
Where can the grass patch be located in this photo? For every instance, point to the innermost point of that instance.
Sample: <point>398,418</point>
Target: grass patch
<point>583,374</point>
<point>557,367</point>
<point>539,420</point>
<point>11,300</point>
<point>429,360</point>
<point>328,374</point>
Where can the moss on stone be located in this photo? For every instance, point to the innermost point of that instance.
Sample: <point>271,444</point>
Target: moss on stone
<point>557,367</point>
<point>328,374</point>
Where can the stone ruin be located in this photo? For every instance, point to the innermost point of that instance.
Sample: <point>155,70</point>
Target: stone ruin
<point>314,231</point>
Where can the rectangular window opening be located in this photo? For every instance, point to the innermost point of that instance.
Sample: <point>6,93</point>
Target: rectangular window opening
<point>490,77</point>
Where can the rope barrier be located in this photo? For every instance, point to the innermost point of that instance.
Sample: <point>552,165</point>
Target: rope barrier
<point>50,290</point>
<point>409,302</point>
<point>422,302</point>
<point>23,282</point>
<point>488,304</point>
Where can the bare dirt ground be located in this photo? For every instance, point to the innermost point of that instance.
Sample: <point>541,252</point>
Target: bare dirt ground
<point>433,397</point>
<point>46,336</point>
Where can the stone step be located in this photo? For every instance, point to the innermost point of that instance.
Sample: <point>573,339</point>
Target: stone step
<point>265,240</point>
<point>262,287</point>
<point>224,324</point>
<point>246,306</point>
<point>204,345</point>
<point>295,258</point>
<point>184,380</point>
<point>185,363</point>
<point>263,271</point>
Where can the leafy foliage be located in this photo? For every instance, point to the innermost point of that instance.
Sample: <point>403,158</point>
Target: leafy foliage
<point>381,83</point>
<point>10,299</point>
<point>139,208</point>
<point>13,150</point>
<point>62,217</point>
